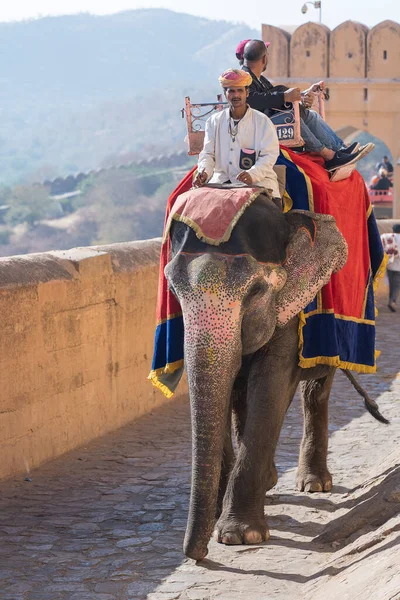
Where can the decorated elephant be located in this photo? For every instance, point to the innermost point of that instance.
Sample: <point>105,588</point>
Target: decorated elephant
<point>240,300</point>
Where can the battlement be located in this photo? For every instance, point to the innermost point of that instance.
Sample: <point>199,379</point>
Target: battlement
<point>351,50</point>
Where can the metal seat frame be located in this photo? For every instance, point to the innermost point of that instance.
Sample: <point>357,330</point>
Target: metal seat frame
<point>286,122</point>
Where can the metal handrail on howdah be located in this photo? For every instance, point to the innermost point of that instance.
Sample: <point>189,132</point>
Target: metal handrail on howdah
<point>288,130</point>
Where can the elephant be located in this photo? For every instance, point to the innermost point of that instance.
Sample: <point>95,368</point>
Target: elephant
<point>240,304</point>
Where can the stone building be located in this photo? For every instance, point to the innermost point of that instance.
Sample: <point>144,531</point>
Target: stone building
<point>361,68</point>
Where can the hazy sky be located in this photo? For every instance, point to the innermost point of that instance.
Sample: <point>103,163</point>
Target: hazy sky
<point>274,12</point>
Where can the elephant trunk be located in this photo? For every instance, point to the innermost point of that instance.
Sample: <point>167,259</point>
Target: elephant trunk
<point>213,358</point>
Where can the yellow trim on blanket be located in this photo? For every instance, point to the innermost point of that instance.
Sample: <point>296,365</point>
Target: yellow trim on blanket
<point>307,179</point>
<point>332,361</point>
<point>378,278</point>
<point>330,311</point>
<point>169,368</point>
<point>364,304</point>
<point>369,211</point>
<point>173,316</point>
<point>287,202</point>
<point>319,302</point>
<point>380,272</point>
<point>161,386</point>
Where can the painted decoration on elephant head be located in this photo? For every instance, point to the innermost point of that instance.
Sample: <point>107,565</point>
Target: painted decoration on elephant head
<point>310,262</point>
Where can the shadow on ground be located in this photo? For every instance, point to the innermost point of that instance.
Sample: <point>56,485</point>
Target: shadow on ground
<point>106,522</point>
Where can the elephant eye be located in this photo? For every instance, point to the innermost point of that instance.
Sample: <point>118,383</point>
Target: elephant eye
<point>258,288</point>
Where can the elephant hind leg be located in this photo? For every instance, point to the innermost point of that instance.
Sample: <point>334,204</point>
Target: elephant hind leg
<point>313,474</point>
<point>239,416</point>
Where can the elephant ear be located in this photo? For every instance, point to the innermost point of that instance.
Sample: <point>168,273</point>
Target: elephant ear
<point>316,249</point>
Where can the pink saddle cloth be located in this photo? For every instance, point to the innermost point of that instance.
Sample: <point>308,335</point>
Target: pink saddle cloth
<point>212,213</point>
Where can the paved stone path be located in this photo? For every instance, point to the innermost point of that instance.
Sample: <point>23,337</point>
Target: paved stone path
<point>106,522</point>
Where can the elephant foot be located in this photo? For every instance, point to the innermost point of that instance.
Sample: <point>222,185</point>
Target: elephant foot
<point>308,481</point>
<point>231,531</point>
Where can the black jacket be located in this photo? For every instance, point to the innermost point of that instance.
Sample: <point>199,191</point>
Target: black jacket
<point>388,167</point>
<point>263,95</point>
<point>383,184</point>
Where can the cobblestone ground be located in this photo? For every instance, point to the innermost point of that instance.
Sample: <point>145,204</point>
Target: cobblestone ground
<point>106,522</point>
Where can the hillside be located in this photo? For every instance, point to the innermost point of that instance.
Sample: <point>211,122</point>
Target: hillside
<point>78,89</point>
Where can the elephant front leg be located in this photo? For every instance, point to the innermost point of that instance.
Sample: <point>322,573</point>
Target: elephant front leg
<point>271,387</point>
<point>228,460</point>
<point>313,474</point>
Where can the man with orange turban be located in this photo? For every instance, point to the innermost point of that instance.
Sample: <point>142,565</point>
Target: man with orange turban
<point>240,144</point>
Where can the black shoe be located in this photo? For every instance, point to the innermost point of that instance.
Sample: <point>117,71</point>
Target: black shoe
<point>341,159</point>
<point>350,149</point>
<point>391,308</point>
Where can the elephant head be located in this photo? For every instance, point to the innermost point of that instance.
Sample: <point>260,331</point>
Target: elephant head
<point>233,297</point>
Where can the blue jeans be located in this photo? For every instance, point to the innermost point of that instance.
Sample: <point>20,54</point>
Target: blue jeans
<point>394,284</point>
<point>317,134</point>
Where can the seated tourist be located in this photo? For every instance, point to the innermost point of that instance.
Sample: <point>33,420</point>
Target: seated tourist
<point>383,182</point>
<point>391,245</point>
<point>240,144</point>
<point>386,165</point>
<point>317,135</point>
<point>373,181</point>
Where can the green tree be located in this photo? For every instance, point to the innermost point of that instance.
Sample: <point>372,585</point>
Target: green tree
<point>28,204</point>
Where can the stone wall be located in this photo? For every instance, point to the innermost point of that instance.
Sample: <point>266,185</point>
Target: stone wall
<point>75,348</point>
<point>351,50</point>
<point>361,69</point>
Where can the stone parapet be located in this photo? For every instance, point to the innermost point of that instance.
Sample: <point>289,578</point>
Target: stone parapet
<point>75,348</point>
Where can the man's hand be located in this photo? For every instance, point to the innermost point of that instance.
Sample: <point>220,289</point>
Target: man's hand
<point>318,87</point>
<point>200,179</point>
<point>307,99</point>
<point>244,177</point>
<point>292,95</point>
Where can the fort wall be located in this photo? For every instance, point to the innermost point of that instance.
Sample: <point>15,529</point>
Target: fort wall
<point>361,68</point>
<point>76,348</point>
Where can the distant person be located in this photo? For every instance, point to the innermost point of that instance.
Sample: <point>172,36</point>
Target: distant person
<point>265,97</point>
<point>374,180</point>
<point>384,164</point>
<point>391,245</point>
<point>383,182</point>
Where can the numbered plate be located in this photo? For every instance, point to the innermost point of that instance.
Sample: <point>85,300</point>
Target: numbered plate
<point>285,133</point>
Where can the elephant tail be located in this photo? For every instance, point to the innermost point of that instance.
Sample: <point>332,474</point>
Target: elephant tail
<point>370,404</point>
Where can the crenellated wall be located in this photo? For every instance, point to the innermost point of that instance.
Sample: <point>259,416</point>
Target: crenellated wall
<point>361,68</point>
<point>76,345</point>
<point>383,51</point>
<point>348,50</point>
<point>309,51</point>
<point>279,54</point>
<point>351,50</point>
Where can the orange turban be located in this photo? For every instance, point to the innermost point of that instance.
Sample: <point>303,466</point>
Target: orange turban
<point>235,78</point>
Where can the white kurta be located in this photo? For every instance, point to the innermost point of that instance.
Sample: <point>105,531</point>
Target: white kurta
<point>220,155</point>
